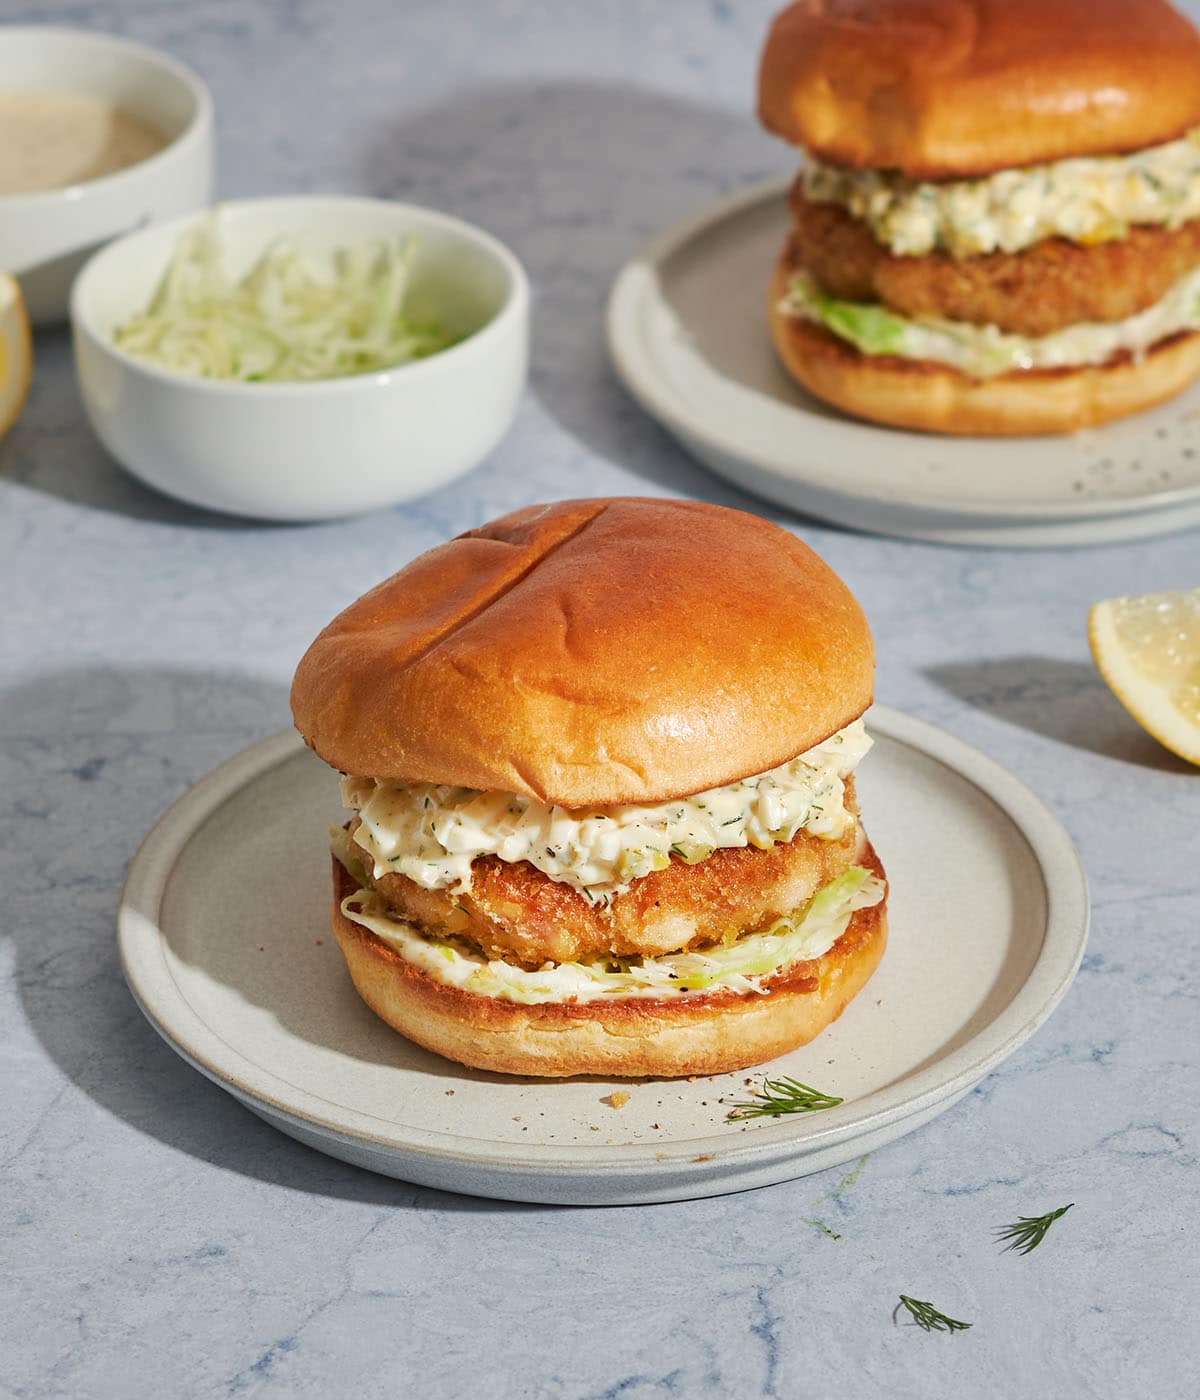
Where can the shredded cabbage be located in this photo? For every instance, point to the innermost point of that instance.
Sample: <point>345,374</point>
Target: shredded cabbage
<point>982,351</point>
<point>867,325</point>
<point>742,967</point>
<point>281,322</point>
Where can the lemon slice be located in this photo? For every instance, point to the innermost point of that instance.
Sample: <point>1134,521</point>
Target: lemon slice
<point>16,352</point>
<point>1148,651</point>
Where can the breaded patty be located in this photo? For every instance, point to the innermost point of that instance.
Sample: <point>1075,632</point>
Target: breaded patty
<point>1036,292</point>
<point>514,911</point>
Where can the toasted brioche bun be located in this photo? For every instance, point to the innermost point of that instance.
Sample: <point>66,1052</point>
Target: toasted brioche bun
<point>597,651</point>
<point>945,88</point>
<point>936,398</point>
<point>635,1038</point>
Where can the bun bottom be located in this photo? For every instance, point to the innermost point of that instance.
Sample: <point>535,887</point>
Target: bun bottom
<point>935,398</point>
<point>634,1038</point>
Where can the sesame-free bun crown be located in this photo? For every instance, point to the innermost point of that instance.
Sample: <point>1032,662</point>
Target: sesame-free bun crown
<point>591,652</point>
<point>949,88</point>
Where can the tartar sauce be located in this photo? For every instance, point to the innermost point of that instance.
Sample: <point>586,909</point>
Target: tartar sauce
<point>432,833</point>
<point>1086,199</point>
<point>49,140</point>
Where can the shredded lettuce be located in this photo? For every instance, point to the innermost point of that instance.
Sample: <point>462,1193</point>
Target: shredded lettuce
<point>982,351</point>
<point>347,855</point>
<point>866,325</point>
<point>742,966</point>
<point>281,322</point>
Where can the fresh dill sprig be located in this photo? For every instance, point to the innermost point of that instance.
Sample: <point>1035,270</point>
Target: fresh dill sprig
<point>779,1096</point>
<point>927,1317</point>
<point>824,1229</point>
<point>1029,1230</point>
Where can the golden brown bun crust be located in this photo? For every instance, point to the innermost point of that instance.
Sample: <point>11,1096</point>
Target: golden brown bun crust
<point>934,398</point>
<point>598,651</point>
<point>636,1038</point>
<point>946,88</point>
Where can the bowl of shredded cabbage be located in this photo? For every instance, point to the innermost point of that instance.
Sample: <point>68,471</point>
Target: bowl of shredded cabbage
<point>302,358</point>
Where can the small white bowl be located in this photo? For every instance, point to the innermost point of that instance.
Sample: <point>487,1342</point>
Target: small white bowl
<point>326,448</point>
<point>46,236</point>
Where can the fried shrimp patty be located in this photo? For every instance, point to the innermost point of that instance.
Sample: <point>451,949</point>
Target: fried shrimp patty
<point>1052,285</point>
<point>515,912</point>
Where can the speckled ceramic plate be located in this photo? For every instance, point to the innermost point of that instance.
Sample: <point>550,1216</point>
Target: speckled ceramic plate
<point>687,333</point>
<point>226,946</point>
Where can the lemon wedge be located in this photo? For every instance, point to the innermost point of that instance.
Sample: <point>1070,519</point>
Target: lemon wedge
<point>1148,651</point>
<point>16,352</point>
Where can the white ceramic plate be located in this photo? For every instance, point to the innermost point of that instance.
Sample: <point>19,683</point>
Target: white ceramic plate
<point>226,945</point>
<point>687,333</point>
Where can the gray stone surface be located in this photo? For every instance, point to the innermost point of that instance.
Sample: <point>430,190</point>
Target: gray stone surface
<point>160,1241</point>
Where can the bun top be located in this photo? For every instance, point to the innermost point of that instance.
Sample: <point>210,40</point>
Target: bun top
<point>944,88</point>
<point>591,652</point>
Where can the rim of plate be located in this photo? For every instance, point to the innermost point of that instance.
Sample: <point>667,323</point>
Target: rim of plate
<point>164,1004</point>
<point>638,372</point>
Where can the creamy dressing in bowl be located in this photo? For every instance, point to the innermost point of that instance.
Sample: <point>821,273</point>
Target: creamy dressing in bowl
<point>49,140</point>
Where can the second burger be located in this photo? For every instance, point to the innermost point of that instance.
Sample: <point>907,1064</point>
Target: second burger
<point>998,227</point>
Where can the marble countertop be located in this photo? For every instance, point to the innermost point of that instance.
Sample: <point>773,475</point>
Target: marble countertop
<point>160,1241</point>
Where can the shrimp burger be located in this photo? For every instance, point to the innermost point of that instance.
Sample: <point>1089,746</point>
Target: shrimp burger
<point>997,228</point>
<point>600,761</point>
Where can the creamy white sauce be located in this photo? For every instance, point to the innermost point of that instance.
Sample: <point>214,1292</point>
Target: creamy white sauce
<point>432,833</point>
<point>743,967</point>
<point>985,351</point>
<point>1088,200</point>
<point>49,140</point>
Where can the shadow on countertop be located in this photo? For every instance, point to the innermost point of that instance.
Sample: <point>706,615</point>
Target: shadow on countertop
<point>576,177</point>
<point>104,752</point>
<point>52,450</point>
<point>1063,700</point>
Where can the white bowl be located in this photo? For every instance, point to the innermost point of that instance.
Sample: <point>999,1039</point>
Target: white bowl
<point>313,450</point>
<point>46,236</point>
